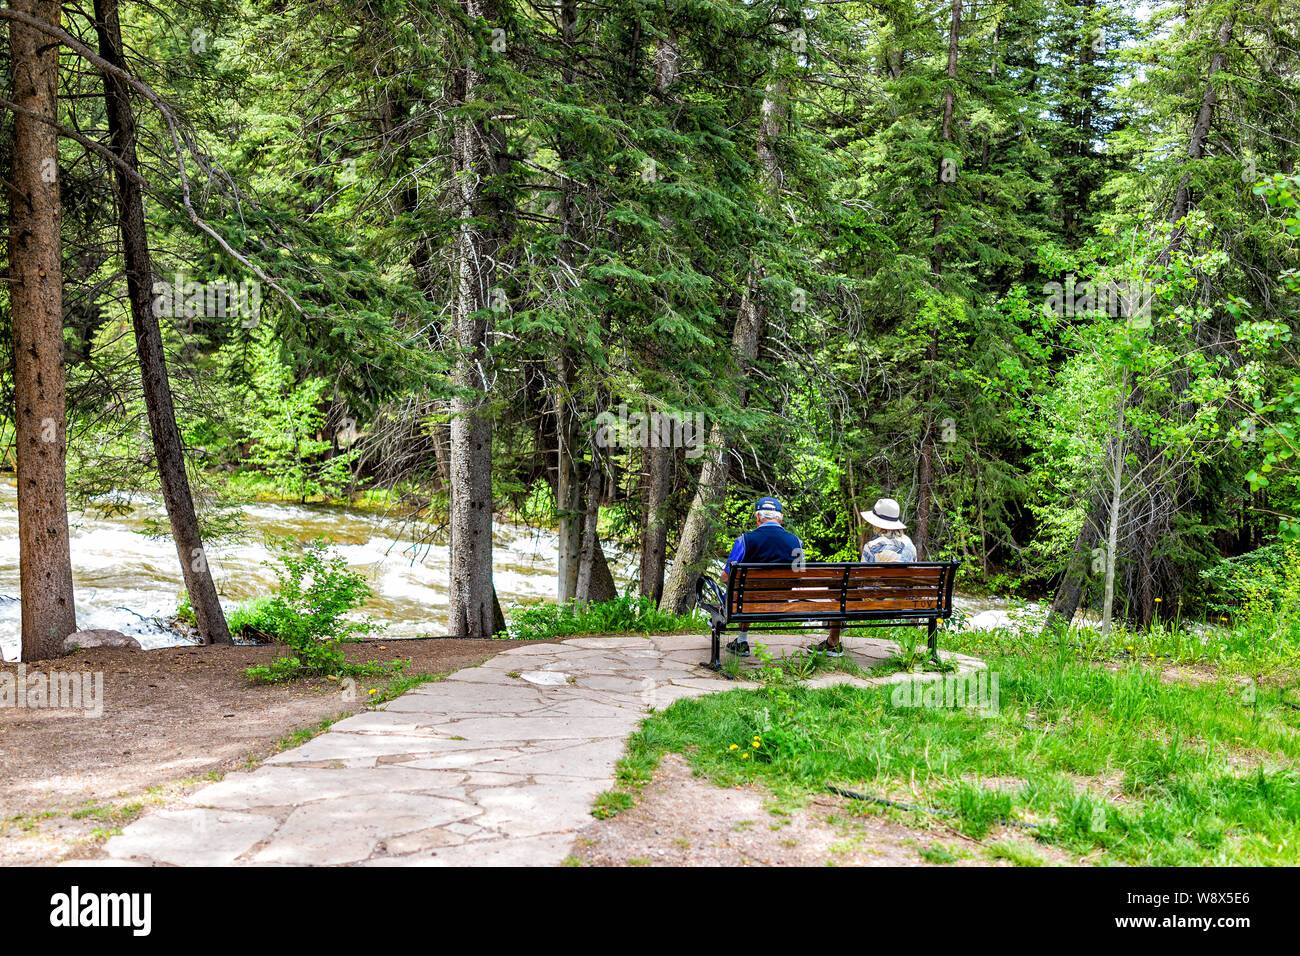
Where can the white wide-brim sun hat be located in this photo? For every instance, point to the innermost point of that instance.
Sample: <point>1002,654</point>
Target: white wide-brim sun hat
<point>885,514</point>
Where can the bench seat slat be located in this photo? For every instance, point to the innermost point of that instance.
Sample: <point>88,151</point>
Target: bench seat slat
<point>832,608</point>
<point>851,593</point>
<point>777,584</point>
<point>784,578</point>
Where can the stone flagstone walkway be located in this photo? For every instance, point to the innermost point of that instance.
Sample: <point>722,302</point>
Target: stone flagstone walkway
<point>493,765</point>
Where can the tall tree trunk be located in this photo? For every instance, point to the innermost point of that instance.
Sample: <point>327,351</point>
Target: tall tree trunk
<point>925,471</point>
<point>697,531</point>
<point>149,345</point>
<point>925,476</point>
<point>1200,133</point>
<point>481,163</point>
<point>36,298</point>
<point>1112,532</point>
<point>657,455</point>
<point>568,483</point>
<point>1069,592</point>
<point>945,131</point>
<point>657,460</point>
<point>590,531</point>
<point>710,492</point>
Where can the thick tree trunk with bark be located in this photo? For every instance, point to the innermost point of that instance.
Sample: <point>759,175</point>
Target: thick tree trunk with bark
<point>710,492</point>
<point>590,530</point>
<point>166,435</point>
<point>657,461</point>
<point>657,455</point>
<point>36,300</point>
<point>480,162</point>
<point>697,531</point>
<point>924,485</point>
<point>1069,593</point>
<point>568,483</point>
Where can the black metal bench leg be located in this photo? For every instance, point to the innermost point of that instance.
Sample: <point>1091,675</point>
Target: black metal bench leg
<point>932,639</point>
<point>715,661</point>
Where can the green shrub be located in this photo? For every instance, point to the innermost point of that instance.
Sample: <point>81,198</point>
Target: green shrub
<point>624,615</point>
<point>185,611</point>
<point>254,620</point>
<point>1267,578</point>
<point>308,614</point>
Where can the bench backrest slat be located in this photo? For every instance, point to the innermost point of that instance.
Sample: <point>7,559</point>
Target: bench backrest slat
<point>840,590</point>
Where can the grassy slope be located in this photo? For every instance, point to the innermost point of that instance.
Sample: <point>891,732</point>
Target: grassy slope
<point>1108,757</point>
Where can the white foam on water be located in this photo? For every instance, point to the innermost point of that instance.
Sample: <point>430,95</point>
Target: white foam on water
<point>122,577</point>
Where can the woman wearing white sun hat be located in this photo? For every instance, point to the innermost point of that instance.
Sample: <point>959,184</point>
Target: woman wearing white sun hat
<point>890,545</point>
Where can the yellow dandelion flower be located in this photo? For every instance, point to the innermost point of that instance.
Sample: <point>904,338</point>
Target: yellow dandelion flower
<point>744,756</point>
<point>734,747</point>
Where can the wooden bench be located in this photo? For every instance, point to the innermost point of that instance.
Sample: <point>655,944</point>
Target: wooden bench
<point>770,596</point>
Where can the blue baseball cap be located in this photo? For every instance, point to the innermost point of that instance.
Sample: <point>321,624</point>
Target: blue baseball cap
<point>768,504</point>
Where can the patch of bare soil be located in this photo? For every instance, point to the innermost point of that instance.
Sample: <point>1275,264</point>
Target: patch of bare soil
<point>683,820</point>
<point>172,720</point>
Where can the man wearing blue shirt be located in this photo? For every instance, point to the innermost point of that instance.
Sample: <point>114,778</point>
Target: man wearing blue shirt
<point>768,543</point>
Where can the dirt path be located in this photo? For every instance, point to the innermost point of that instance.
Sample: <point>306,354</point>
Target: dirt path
<point>682,820</point>
<point>173,719</point>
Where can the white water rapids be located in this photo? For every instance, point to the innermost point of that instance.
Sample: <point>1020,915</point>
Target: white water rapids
<point>123,578</point>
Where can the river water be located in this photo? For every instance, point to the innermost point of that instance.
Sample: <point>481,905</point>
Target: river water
<point>124,578</point>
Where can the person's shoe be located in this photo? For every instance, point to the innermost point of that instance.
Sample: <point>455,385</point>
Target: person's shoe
<point>738,647</point>
<point>830,650</point>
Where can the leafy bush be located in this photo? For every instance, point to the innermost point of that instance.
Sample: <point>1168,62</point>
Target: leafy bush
<point>308,613</point>
<point>281,419</point>
<point>1267,578</point>
<point>254,620</point>
<point>624,615</point>
<point>185,611</point>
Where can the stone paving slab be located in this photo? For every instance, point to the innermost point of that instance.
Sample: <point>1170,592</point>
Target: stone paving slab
<point>495,765</point>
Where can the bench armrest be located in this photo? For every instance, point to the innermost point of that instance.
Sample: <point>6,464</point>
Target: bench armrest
<point>710,597</point>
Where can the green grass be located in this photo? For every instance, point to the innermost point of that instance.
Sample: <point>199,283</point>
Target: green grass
<point>624,615</point>
<point>1107,760</point>
<point>790,668</point>
<point>1018,854</point>
<point>938,854</point>
<point>611,803</point>
<point>107,813</point>
<point>400,685</point>
<point>1255,641</point>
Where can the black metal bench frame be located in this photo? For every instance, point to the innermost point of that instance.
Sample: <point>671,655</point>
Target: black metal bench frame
<point>718,604</point>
